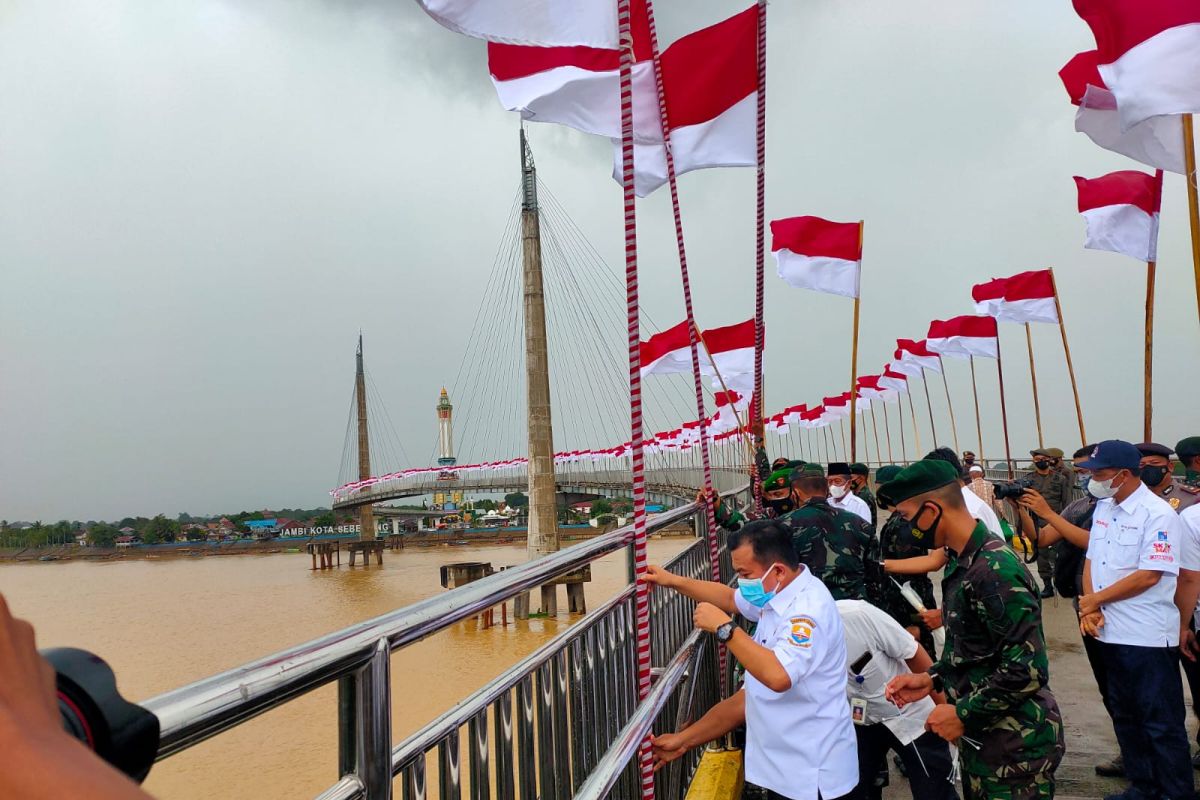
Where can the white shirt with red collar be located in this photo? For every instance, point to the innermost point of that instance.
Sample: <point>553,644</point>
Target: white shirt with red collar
<point>1142,532</point>
<point>801,741</point>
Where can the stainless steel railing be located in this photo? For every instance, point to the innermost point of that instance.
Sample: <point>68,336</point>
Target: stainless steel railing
<point>536,731</point>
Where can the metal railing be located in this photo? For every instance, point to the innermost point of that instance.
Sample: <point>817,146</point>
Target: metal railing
<point>540,730</point>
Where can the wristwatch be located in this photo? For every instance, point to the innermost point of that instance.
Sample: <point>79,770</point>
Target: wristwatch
<point>938,684</point>
<point>724,632</point>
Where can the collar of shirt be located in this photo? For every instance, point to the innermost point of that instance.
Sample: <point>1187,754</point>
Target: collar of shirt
<point>978,537</point>
<point>784,596</point>
<point>1135,501</point>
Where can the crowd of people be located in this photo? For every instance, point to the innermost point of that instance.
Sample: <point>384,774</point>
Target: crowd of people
<point>847,656</point>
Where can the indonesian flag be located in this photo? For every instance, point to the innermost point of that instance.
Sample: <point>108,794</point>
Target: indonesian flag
<point>575,86</point>
<point>893,379</point>
<point>1121,210</point>
<point>1149,54</point>
<point>913,356</point>
<point>710,80</point>
<point>962,337</point>
<point>813,253</point>
<point>1025,297</point>
<point>541,23</point>
<point>1157,142</point>
<point>728,406</point>
<point>730,347</point>
<point>869,388</point>
<point>668,352</point>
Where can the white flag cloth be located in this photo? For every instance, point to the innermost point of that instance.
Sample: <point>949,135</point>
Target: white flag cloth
<point>1024,297</point>
<point>541,23</point>
<point>1121,210</point>
<point>963,337</point>
<point>814,253</point>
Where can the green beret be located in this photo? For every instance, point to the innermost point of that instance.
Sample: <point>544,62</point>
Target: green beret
<point>916,479</point>
<point>1188,448</point>
<point>779,479</point>
<point>797,464</point>
<point>859,469</point>
<point>1054,452</point>
<point>809,471</point>
<point>885,474</point>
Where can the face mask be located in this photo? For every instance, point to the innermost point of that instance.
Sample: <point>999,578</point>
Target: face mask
<point>781,505</point>
<point>924,536</point>
<point>1152,476</point>
<point>1102,489</point>
<point>753,591</point>
<point>1041,466</point>
<point>838,492</point>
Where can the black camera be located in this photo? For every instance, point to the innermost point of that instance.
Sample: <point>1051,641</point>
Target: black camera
<point>1012,489</point>
<point>93,711</point>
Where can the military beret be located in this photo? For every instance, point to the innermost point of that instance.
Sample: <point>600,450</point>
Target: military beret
<point>1054,452</point>
<point>1042,452</point>
<point>808,471</point>
<point>1188,448</point>
<point>779,479</point>
<point>838,468</point>
<point>1154,449</point>
<point>885,474</point>
<point>917,479</point>
<point>859,469</point>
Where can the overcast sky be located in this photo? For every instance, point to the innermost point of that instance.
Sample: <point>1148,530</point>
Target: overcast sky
<point>202,202</point>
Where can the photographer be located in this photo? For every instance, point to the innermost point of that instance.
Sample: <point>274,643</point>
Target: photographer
<point>40,760</point>
<point>1055,486</point>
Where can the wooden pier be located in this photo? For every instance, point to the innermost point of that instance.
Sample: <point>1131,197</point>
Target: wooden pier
<point>367,548</point>
<point>326,553</point>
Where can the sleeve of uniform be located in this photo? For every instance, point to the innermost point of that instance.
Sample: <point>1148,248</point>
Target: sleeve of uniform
<point>1189,538</point>
<point>1162,539</point>
<point>728,517</point>
<point>760,460</point>
<point>1010,612</point>
<point>747,610</point>
<point>800,647</point>
<point>890,638</point>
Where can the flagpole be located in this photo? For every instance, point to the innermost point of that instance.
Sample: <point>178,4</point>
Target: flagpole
<point>842,425</point>
<point>828,444</point>
<point>929,405</point>
<point>1037,406</point>
<point>741,428</point>
<point>761,212</point>
<point>1003,407</point>
<point>949,405</point>
<point>1062,328</point>
<point>912,410</point>
<point>1189,156</point>
<point>875,427</point>
<point>1151,268</point>
<point>978,419</point>
<point>853,454</point>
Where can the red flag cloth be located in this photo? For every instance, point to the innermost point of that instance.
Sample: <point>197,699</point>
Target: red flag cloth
<point>667,352</point>
<point>1121,210</point>
<point>1024,297</point>
<point>710,79</point>
<point>730,347</point>
<point>814,253</point>
<point>893,379</point>
<point>587,23</point>
<point>965,336</point>
<point>913,356</point>
<point>1148,53</point>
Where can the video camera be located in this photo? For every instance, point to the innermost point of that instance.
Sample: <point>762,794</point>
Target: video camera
<point>93,711</point>
<point>1012,489</point>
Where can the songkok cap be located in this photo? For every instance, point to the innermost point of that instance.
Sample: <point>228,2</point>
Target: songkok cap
<point>1154,449</point>
<point>1112,454</point>
<point>838,468</point>
<point>1042,452</point>
<point>859,469</point>
<point>885,474</point>
<point>1054,452</point>
<point>1188,448</point>
<point>808,471</point>
<point>917,479</point>
<point>976,468</point>
<point>777,480</point>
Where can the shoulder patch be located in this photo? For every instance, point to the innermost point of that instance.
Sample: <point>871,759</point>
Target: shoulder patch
<point>802,631</point>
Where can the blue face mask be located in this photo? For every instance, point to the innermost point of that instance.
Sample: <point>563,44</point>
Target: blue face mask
<point>753,591</point>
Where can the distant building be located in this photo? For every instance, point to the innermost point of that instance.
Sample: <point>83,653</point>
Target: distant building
<point>127,540</point>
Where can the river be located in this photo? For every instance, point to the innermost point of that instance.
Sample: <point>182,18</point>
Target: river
<point>163,623</point>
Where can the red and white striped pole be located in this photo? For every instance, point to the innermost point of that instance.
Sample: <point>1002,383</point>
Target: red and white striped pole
<point>641,591</point>
<point>760,240</point>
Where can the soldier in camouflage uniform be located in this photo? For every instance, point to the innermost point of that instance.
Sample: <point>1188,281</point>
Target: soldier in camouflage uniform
<point>995,670</point>
<point>1188,453</point>
<point>859,481</point>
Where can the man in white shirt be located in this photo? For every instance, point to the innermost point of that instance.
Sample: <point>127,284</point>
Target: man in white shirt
<point>800,743</point>
<point>1129,582</point>
<point>878,649</point>
<point>841,493</point>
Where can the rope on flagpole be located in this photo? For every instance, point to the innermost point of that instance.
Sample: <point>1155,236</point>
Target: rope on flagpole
<point>637,458</point>
<point>689,311</point>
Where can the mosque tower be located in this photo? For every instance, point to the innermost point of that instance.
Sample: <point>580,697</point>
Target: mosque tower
<point>445,413</point>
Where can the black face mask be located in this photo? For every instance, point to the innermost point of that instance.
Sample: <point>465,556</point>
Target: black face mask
<point>1152,476</point>
<point>1041,466</point>
<point>924,536</point>
<point>781,506</point>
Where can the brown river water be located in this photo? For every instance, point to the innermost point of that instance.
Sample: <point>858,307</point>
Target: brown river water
<point>162,623</point>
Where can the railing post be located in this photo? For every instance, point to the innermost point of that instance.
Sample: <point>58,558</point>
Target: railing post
<point>365,724</point>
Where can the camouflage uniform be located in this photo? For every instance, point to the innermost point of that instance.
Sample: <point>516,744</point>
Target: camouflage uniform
<point>835,546</point>
<point>895,540</point>
<point>867,496</point>
<point>996,673</point>
<point>729,516</point>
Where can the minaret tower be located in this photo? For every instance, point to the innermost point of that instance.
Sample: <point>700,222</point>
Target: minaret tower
<point>445,413</point>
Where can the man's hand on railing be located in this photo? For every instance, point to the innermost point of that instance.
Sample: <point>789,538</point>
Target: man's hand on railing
<point>660,577</point>
<point>709,496</point>
<point>708,617</point>
<point>667,748</point>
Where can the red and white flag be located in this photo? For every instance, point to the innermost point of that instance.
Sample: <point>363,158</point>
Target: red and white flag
<point>1025,297</point>
<point>575,86</point>
<point>962,337</point>
<point>1121,210</point>
<point>893,379</point>
<point>1157,142</point>
<point>913,356</point>
<point>730,347</point>
<point>813,253</point>
<point>1149,54</point>
<point>668,352</point>
<point>710,80</point>
<point>561,23</point>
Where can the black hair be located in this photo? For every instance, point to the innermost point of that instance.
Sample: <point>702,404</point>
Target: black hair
<point>771,542</point>
<point>947,455</point>
<point>1084,451</point>
<point>817,485</point>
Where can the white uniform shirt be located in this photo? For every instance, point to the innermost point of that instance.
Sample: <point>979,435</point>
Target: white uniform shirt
<point>801,741</point>
<point>982,512</point>
<point>870,630</point>
<point>854,504</point>
<point>1189,547</point>
<point>1143,532</point>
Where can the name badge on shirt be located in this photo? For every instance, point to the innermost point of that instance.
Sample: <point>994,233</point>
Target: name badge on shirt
<point>858,710</point>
